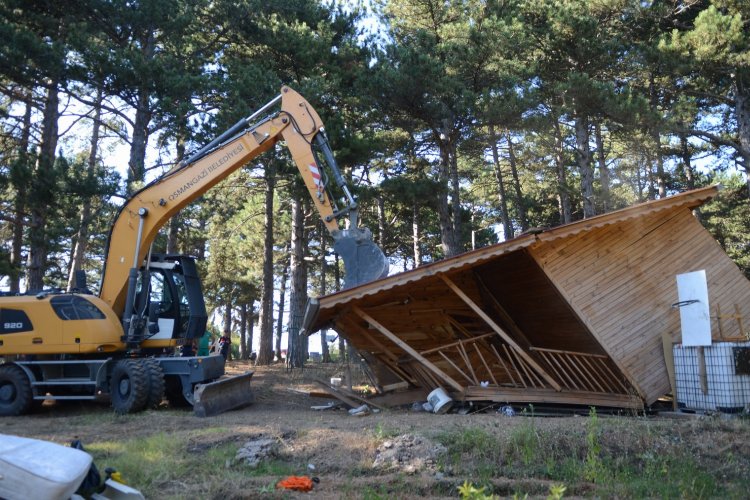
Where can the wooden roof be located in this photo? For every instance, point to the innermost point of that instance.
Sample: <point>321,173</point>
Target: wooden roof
<point>573,314</point>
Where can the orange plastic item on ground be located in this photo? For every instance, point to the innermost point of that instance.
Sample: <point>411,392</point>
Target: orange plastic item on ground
<point>296,483</point>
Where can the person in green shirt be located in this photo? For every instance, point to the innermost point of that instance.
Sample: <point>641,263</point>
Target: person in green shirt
<point>203,344</point>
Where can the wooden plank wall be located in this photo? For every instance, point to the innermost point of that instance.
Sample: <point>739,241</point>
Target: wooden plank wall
<point>620,279</point>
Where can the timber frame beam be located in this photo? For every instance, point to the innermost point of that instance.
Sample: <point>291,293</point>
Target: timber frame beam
<point>500,332</point>
<point>408,349</point>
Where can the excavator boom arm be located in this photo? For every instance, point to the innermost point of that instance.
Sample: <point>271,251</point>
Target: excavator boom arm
<point>141,218</point>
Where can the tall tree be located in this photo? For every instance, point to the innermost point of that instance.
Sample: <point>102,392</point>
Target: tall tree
<point>82,236</point>
<point>296,353</point>
<point>265,320</point>
<point>717,42</point>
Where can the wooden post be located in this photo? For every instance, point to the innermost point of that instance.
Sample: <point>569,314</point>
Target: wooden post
<point>387,357</point>
<point>507,338</point>
<point>455,367</point>
<point>406,347</point>
<point>467,362</point>
<point>502,363</point>
<point>702,375</point>
<point>486,366</point>
<point>738,315</point>
<point>666,342</point>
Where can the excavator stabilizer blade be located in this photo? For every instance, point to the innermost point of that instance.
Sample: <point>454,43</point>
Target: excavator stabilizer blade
<point>364,261</point>
<point>223,395</point>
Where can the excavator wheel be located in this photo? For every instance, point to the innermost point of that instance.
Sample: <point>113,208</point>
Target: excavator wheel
<point>155,382</point>
<point>16,397</point>
<point>129,386</point>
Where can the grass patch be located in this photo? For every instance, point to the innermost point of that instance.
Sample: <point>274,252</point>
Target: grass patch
<point>145,461</point>
<point>383,432</point>
<point>525,443</point>
<point>471,451</point>
<point>608,457</point>
<point>164,462</point>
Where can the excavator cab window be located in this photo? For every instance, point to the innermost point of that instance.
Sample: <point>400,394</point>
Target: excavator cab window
<point>184,305</point>
<point>72,307</point>
<point>175,288</point>
<point>192,307</point>
<point>159,297</point>
<point>160,292</point>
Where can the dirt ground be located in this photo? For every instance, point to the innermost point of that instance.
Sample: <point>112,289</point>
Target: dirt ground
<point>395,453</point>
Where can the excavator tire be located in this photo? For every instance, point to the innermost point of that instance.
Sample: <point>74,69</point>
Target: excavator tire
<point>129,386</point>
<point>155,382</point>
<point>16,397</point>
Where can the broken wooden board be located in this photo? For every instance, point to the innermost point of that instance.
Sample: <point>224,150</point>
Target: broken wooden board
<point>349,398</point>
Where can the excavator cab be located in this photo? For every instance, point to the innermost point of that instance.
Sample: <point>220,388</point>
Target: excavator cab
<point>173,300</point>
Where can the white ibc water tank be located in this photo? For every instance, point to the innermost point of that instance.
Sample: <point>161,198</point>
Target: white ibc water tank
<point>726,380</point>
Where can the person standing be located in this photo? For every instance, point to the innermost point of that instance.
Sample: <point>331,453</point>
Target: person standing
<point>224,344</point>
<point>203,344</point>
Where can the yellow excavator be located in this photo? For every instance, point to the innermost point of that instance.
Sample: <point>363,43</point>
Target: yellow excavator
<point>119,345</point>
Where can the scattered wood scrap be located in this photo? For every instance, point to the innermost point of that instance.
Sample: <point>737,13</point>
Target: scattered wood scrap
<point>344,395</point>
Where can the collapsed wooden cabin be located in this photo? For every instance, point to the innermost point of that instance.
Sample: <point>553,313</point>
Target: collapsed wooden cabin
<point>575,314</point>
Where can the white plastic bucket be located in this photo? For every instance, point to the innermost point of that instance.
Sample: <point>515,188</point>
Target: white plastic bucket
<point>439,400</point>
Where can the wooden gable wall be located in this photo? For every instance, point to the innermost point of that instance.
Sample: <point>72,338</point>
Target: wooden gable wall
<point>620,280</point>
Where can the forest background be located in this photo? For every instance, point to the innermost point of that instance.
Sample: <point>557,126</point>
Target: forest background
<point>458,124</point>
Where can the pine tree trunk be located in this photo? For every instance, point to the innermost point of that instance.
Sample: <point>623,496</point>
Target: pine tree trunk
<point>282,303</point>
<point>687,162</point>
<point>201,240</point>
<point>650,177</point>
<point>455,198</point>
<point>243,332</point>
<point>520,205</point>
<point>42,190</point>
<point>603,169</point>
<point>508,231</point>
<point>742,110</point>
<point>326,355</point>
<point>337,284</point>
<point>381,221</point>
<point>175,221</point>
<point>640,185</point>
<point>583,158</point>
<point>19,176</point>
<point>563,197</point>
<point>447,234</point>
<point>265,318</point>
<point>82,238</point>
<point>295,352</point>
<point>143,115</point>
<point>661,179</point>
<point>661,183</point>
<point>139,142</point>
<point>415,234</point>
<point>228,322</point>
<point>250,325</point>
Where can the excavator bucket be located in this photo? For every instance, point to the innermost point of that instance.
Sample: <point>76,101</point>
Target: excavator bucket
<point>363,260</point>
<point>223,395</point>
